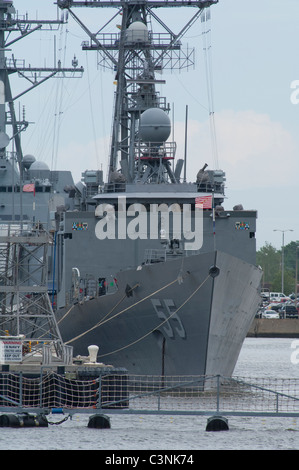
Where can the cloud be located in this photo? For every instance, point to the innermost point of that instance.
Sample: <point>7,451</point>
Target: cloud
<point>253,150</point>
<point>78,157</point>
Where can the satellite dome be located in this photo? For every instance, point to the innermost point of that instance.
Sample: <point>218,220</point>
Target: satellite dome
<point>39,166</point>
<point>137,31</point>
<point>154,125</point>
<point>28,160</point>
<point>39,170</point>
<point>4,140</point>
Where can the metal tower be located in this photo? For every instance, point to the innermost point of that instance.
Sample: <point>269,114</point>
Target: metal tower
<point>136,53</point>
<point>13,28</point>
<point>25,308</point>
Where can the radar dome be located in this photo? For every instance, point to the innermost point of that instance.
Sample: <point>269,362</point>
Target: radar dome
<point>137,31</point>
<point>39,166</point>
<point>154,125</point>
<point>28,160</point>
<point>39,170</point>
<point>4,140</point>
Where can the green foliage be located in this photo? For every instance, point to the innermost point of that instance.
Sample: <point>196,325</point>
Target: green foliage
<point>270,259</point>
<point>289,283</point>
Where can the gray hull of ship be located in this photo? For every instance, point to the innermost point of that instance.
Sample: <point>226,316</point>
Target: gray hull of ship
<point>170,318</point>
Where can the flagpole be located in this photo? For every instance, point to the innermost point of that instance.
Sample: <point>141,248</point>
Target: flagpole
<point>30,188</point>
<point>21,195</point>
<point>214,221</point>
<point>185,154</point>
<point>33,216</point>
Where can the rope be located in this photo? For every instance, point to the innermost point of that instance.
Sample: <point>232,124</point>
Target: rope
<point>117,304</point>
<point>161,324</point>
<point>66,314</point>
<point>100,323</point>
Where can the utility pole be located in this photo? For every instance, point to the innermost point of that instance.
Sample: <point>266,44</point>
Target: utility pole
<point>282,256</point>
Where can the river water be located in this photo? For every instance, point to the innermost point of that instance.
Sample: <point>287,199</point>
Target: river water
<point>260,357</point>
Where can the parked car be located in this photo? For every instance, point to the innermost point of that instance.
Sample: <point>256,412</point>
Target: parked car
<point>270,314</point>
<point>278,297</point>
<point>288,311</point>
<point>276,307</point>
<point>265,294</point>
<point>293,297</point>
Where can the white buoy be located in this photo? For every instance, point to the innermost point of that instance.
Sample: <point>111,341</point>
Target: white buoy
<point>93,352</point>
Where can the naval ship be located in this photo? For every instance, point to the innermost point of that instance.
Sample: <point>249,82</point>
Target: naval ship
<point>147,266</point>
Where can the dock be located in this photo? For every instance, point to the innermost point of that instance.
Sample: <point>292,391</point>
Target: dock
<point>274,328</point>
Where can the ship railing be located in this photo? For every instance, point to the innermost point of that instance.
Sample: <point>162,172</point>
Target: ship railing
<point>155,150</point>
<point>152,40</point>
<point>154,256</point>
<point>209,187</point>
<point>17,63</point>
<point>141,102</point>
<point>18,228</point>
<point>114,187</point>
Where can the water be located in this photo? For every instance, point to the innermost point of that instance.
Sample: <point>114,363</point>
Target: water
<point>259,358</point>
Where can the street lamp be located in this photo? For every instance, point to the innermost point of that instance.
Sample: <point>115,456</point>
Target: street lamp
<point>282,256</point>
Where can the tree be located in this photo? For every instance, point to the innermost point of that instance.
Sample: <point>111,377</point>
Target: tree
<point>290,256</point>
<point>269,258</point>
<point>289,282</point>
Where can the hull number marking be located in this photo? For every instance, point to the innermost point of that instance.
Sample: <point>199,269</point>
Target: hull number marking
<point>165,309</point>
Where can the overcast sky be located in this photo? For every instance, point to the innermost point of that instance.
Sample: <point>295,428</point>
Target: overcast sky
<point>255,63</point>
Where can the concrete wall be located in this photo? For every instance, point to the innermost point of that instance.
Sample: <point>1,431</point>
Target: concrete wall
<point>274,328</point>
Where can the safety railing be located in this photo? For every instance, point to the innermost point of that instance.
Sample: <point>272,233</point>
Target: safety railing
<point>123,393</point>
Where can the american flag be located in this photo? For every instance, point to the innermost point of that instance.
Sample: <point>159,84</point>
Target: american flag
<point>204,201</point>
<point>29,188</point>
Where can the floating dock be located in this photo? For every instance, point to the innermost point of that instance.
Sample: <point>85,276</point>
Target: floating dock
<point>116,393</point>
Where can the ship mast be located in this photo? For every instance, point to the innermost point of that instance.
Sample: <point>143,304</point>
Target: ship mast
<point>25,308</point>
<point>141,126</point>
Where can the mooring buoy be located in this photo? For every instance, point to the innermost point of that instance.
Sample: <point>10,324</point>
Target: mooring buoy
<point>99,421</point>
<point>23,420</point>
<point>217,423</point>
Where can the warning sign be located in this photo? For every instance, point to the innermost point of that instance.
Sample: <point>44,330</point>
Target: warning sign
<point>10,350</point>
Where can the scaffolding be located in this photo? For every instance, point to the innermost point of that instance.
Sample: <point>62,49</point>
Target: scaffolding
<point>27,321</point>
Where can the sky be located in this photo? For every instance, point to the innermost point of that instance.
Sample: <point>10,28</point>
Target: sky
<point>252,50</point>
